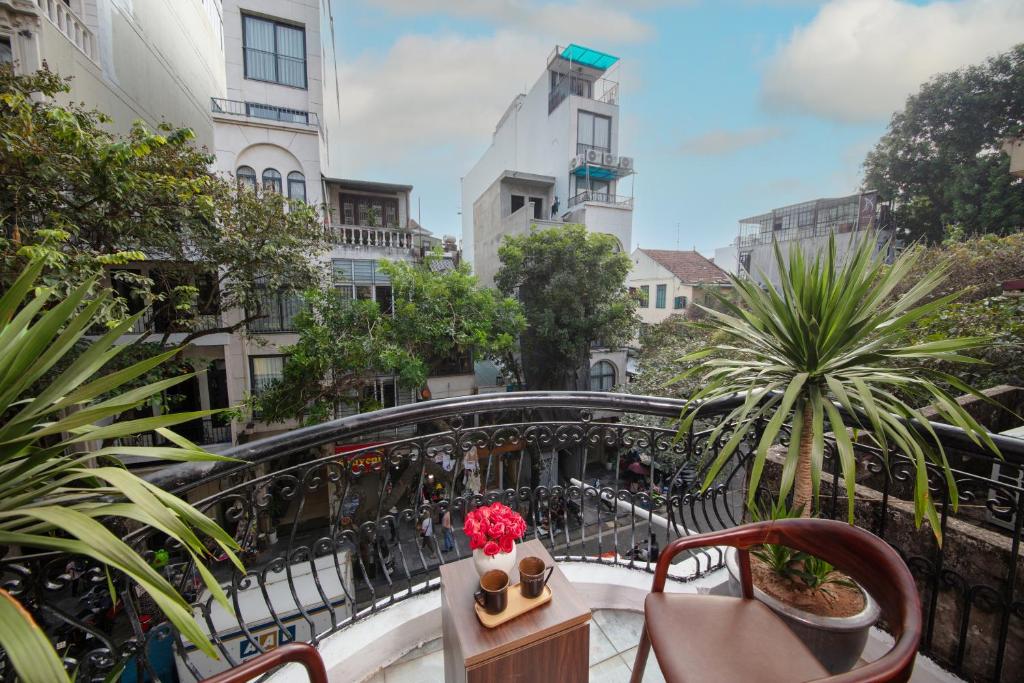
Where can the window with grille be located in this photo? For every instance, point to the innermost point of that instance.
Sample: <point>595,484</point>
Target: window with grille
<point>297,186</point>
<point>659,297</point>
<point>246,177</point>
<point>274,51</point>
<point>264,371</point>
<point>602,376</point>
<point>680,302</point>
<point>272,180</point>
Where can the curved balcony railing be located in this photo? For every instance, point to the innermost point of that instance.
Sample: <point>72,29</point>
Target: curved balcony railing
<point>329,519</point>
<point>364,236</point>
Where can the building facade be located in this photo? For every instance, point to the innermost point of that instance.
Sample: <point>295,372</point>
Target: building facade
<point>669,283</point>
<point>554,159</point>
<point>808,225</point>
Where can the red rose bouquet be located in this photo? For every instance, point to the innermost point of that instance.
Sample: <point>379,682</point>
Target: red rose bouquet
<point>494,528</point>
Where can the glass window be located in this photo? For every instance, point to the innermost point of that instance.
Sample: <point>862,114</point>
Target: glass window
<point>264,371</point>
<point>602,376</point>
<point>246,177</point>
<point>6,51</point>
<point>659,297</point>
<point>274,51</point>
<point>680,302</point>
<point>272,180</point>
<point>593,131</point>
<point>297,186</point>
<point>645,296</point>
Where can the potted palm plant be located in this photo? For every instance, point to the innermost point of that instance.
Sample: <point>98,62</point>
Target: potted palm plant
<point>60,492</point>
<point>825,351</point>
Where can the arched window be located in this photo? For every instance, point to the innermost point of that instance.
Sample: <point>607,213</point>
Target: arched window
<point>272,180</point>
<point>296,186</point>
<point>602,376</point>
<point>246,177</point>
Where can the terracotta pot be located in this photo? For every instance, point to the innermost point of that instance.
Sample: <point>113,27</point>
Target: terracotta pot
<point>503,561</point>
<point>837,642</point>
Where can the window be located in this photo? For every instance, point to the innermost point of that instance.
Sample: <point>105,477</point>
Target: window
<point>602,376</point>
<point>246,177</point>
<point>274,52</point>
<point>645,296</point>
<point>272,180</point>
<point>297,186</point>
<point>363,279</point>
<point>518,202</point>
<point>277,309</point>
<point>659,296</point>
<point>264,371</point>
<point>680,303</point>
<point>368,210</point>
<point>6,50</point>
<point>593,131</point>
<point>538,207</point>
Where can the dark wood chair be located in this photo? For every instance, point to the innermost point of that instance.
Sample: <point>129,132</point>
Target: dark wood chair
<point>303,653</point>
<point>717,638</point>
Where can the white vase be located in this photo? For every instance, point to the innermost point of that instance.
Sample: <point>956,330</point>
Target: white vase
<point>503,561</point>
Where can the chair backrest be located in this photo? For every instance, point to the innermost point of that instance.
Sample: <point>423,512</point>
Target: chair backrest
<point>864,557</point>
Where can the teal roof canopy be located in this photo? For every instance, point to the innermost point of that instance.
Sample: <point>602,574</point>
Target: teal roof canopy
<point>596,172</point>
<point>587,57</point>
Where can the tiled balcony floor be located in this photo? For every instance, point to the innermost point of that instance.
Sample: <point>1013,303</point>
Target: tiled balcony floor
<point>614,635</point>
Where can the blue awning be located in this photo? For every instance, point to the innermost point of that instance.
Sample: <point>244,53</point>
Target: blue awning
<point>587,57</point>
<point>598,172</point>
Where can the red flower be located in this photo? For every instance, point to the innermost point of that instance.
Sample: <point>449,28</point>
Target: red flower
<point>491,549</point>
<point>506,544</point>
<point>497,530</point>
<point>477,540</point>
<point>494,526</point>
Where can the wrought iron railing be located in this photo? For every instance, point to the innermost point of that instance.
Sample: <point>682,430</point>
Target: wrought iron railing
<point>602,198</point>
<point>268,112</point>
<point>328,518</point>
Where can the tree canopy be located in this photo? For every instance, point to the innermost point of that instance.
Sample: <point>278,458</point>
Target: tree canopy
<point>344,345</point>
<point>571,283</point>
<point>941,161</point>
<point>88,200</point>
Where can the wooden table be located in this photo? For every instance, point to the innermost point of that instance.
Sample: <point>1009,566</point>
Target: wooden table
<point>549,643</point>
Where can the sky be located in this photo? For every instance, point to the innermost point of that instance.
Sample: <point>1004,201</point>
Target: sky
<point>729,107</point>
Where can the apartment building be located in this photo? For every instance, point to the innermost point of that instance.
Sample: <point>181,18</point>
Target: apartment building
<point>554,158</point>
<point>670,282</point>
<point>248,77</point>
<point>808,224</point>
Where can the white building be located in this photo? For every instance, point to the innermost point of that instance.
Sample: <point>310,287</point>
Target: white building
<point>669,282</point>
<point>554,159</point>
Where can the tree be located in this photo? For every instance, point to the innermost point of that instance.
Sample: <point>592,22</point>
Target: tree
<point>59,493</point>
<point>92,202</point>
<point>571,283</point>
<point>832,334</point>
<point>661,347</point>
<point>941,161</point>
<point>344,345</point>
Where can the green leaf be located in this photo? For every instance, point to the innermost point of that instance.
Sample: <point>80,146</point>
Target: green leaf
<point>26,645</point>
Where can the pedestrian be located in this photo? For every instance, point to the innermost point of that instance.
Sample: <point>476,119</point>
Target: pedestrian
<point>427,533</point>
<point>449,535</point>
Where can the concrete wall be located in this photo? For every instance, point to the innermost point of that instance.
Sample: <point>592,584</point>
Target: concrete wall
<point>764,268</point>
<point>135,60</point>
<point>727,258</point>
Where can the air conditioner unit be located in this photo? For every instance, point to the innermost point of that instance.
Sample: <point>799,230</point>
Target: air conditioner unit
<point>577,161</point>
<point>608,159</point>
<point>593,156</point>
<point>626,163</point>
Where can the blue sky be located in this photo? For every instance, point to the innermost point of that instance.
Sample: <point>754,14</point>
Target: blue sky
<point>730,107</point>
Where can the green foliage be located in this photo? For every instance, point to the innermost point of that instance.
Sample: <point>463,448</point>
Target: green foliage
<point>59,490</point>
<point>87,200</point>
<point>941,160</point>
<point>571,283</point>
<point>976,267</point>
<point>661,345</point>
<point>832,334</point>
<point>344,344</point>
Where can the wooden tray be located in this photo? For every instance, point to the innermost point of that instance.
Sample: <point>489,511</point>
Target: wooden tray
<point>517,606</point>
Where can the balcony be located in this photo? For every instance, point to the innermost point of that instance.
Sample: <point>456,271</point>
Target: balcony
<point>366,237</point>
<point>598,90</point>
<point>333,557</point>
<point>71,25</point>
<point>601,198</point>
<point>263,112</point>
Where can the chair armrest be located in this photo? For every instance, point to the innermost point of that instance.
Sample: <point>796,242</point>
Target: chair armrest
<point>303,653</point>
<point>741,537</point>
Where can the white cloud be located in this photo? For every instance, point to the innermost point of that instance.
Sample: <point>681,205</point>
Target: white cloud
<point>583,20</point>
<point>858,60</point>
<point>431,92</point>
<point>722,141</point>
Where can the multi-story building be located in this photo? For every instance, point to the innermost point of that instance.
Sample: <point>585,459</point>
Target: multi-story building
<point>669,282</point>
<point>247,77</point>
<point>554,158</point>
<point>808,224</point>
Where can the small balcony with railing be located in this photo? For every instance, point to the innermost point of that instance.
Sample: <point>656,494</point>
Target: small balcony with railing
<point>605,198</point>
<point>260,112</point>
<point>71,25</point>
<point>367,237</point>
<point>580,71</point>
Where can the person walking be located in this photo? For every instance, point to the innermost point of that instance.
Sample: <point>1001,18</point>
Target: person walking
<point>446,529</point>
<point>427,534</point>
